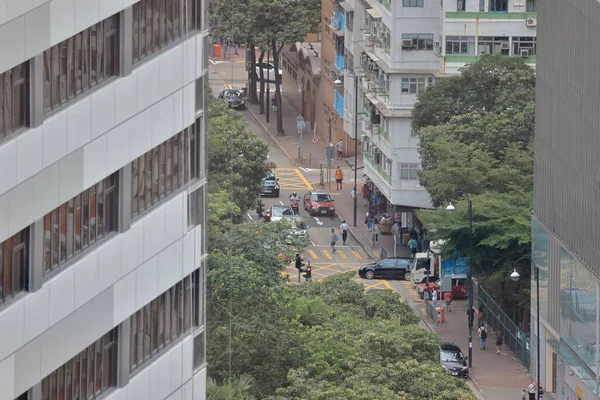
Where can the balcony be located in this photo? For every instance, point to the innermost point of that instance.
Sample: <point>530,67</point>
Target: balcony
<point>377,167</point>
<point>341,18</point>
<point>338,103</point>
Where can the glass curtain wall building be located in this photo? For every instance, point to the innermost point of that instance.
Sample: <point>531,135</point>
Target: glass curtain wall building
<point>102,199</point>
<point>566,222</point>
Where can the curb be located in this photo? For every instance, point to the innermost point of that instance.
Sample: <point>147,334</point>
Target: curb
<point>272,137</point>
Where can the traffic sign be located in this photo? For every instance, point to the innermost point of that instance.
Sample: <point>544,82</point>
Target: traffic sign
<point>315,140</point>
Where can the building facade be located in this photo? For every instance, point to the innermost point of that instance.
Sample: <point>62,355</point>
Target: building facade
<point>566,221</point>
<point>398,48</point>
<point>102,199</point>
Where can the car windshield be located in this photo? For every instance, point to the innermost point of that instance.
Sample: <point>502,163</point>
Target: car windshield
<point>282,211</point>
<point>270,176</point>
<point>232,95</point>
<point>320,197</point>
<point>451,355</point>
<point>422,263</point>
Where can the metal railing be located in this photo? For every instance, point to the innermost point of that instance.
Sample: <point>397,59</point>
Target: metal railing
<point>432,312</point>
<point>515,340</point>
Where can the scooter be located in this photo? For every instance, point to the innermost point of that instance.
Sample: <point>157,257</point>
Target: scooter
<point>295,206</point>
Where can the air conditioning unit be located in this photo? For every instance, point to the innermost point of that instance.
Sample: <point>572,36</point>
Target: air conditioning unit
<point>504,46</point>
<point>438,44</point>
<point>407,43</point>
<point>375,129</point>
<point>524,53</point>
<point>531,22</point>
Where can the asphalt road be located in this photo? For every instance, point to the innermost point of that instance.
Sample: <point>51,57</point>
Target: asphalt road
<point>323,261</point>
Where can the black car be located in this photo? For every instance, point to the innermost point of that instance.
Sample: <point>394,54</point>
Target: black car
<point>388,268</point>
<point>453,360</point>
<point>270,185</point>
<point>234,98</point>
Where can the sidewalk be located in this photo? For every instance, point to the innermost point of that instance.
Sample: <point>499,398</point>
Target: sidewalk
<point>497,377</point>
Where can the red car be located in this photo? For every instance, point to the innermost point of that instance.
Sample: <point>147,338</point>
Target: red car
<point>318,203</point>
<point>460,290</point>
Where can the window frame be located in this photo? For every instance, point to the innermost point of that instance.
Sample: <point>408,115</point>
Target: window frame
<point>15,101</point>
<point>81,219</point>
<point>415,84</point>
<point>421,41</point>
<point>413,3</point>
<point>500,6</point>
<point>15,253</point>
<point>409,171</point>
<point>462,41</point>
<point>78,64</point>
<point>528,43</point>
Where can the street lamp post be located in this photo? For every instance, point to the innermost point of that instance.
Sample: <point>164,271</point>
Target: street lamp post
<point>469,276</point>
<point>515,277</point>
<point>338,83</point>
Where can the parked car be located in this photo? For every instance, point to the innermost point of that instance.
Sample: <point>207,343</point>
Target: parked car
<point>234,98</point>
<point>270,185</point>
<point>279,212</point>
<point>268,71</point>
<point>319,203</point>
<point>453,360</point>
<point>388,268</point>
<point>459,289</point>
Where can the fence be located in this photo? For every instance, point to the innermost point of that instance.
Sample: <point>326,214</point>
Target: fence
<point>431,311</point>
<point>515,340</point>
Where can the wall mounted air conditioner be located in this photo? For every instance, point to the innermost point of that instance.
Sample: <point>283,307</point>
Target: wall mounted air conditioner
<point>504,46</point>
<point>407,43</point>
<point>531,22</point>
<point>524,53</point>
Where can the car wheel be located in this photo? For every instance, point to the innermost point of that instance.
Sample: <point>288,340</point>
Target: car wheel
<point>407,275</point>
<point>370,274</point>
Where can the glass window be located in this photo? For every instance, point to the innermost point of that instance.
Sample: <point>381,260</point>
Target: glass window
<point>155,173</point>
<point>154,326</point>
<point>199,354</point>
<point>76,377</point>
<point>14,99</point>
<point>157,23</point>
<point>14,265</point>
<point>420,41</point>
<point>84,374</point>
<point>147,331</point>
<point>460,5</point>
<point>133,341</point>
<point>498,6</point>
<point>412,3</point>
<point>460,45</point>
<point>80,62</point>
<point>80,222</point>
<point>91,370</point>
<point>415,85</point>
<point>409,171</point>
<point>524,46</point>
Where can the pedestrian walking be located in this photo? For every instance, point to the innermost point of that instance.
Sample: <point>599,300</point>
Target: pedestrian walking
<point>482,337</point>
<point>339,178</point>
<point>498,342</point>
<point>531,390</point>
<point>412,244</point>
<point>344,231</point>
<point>340,149</point>
<point>334,238</point>
<point>448,298</point>
<point>434,296</point>
<point>369,221</point>
<point>524,395</point>
<point>365,196</point>
<point>471,314</point>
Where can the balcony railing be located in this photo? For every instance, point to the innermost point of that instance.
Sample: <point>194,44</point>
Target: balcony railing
<point>378,168</point>
<point>338,103</point>
<point>387,4</point>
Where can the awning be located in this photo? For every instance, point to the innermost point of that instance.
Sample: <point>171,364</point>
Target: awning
<point>374,13</point>
<point>346,6</point>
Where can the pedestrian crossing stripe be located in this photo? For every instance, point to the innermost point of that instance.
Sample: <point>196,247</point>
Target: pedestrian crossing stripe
<point>313,254</point>
<point>412,290</point>
<point>357,255</point>
<point>327,254</point>
<point>341,253</point>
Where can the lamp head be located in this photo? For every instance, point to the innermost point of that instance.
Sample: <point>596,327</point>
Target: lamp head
<point>515,275</point>
<point>337,82</point>
<point>450,207</point>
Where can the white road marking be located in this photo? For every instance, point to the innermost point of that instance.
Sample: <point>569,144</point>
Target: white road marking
<point>317,221</point>
<point>211,61</point>
<point>307,169</point>
<point>280,202</point>
<point>249,216</point>
<point>313,243</point>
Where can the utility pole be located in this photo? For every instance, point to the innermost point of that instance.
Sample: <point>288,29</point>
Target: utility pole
<point>268,106</point>
<point>327,155</point>
<point>300,124</point>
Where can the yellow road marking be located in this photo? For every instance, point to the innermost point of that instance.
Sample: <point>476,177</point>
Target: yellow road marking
<point>387,285</point>
<point>341,253</point>
<point>227,86</point>
<point>356,255</point>
<point>306,182</point>
<point>313,254</point>
<point>326,253</point>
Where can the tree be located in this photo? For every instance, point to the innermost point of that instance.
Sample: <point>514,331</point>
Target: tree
<point>231,389</point>
<point>476,135</point>
<point>237,160</point>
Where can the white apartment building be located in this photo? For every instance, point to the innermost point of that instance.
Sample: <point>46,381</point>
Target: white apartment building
<point>102,199</point>
<point>398,48</point>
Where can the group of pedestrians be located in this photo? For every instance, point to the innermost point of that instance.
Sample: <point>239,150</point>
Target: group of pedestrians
<point>344,228</point>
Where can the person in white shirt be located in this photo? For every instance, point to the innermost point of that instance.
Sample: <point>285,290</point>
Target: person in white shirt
<point>344,231</point>
<point>340,149</point>
<point>434,298</point>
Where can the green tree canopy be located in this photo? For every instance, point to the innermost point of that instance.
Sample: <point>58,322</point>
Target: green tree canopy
<point>476,136</point>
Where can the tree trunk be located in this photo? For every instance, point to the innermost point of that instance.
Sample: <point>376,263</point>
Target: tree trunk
<point>252,75</point>
<point>261,98</point>
<point>280,129</point>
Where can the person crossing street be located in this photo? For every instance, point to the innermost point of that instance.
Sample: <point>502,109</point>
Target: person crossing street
<point>339,178</point>
<point>344,231</point>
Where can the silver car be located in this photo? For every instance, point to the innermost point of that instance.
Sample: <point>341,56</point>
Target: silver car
<point>299,227</point>
<point>279,212</point>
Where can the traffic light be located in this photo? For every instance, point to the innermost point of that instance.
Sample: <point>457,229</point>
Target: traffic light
<point>259,207</point>
<point>299,263</point>
<point>308,272</point>
<point>268,216</point>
